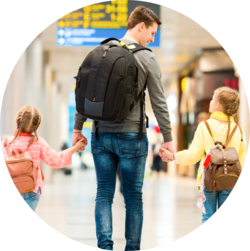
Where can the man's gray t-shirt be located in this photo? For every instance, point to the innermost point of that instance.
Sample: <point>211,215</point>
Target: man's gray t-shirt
<point>149,71</point>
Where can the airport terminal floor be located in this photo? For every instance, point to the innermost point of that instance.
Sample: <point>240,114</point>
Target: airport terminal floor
<point>170,211</point>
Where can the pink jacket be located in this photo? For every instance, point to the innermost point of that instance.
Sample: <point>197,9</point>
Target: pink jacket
<point>40,150</point>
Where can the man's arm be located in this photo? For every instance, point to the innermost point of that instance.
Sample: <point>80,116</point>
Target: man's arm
<point>77,132</point>
<point>157,99</point>
<point>159,105</point>
<point>79,121</point>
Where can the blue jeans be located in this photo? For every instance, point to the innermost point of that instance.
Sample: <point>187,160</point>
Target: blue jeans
<point>32,198</point>
<point>126,149</point>
<point>211,203</point>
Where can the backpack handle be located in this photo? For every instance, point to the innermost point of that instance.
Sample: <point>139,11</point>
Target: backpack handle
<point>109,39</point>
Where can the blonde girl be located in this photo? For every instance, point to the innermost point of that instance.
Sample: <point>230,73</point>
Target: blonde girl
<point>224,109</point>
<point>28,121</point>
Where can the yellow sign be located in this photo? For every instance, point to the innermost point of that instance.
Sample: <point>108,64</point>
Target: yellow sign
<point>109,15</point>
<point>88,124</point>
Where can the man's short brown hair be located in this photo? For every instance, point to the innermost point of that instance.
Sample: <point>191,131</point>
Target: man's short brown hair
<point>142,14</point>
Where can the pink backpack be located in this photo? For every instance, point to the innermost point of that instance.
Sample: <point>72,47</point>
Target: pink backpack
<point>21,169</point>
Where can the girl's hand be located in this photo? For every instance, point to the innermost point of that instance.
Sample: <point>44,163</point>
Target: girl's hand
<point>77,135</point>
<point>79,144</point>
<point>167,154</point>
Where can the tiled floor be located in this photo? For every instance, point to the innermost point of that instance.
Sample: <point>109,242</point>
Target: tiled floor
<point>170,210</point>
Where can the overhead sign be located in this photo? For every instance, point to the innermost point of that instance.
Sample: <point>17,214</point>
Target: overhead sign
<point>92,24</point>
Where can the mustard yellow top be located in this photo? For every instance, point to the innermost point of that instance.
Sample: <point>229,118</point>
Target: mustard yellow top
<point>203,141</point>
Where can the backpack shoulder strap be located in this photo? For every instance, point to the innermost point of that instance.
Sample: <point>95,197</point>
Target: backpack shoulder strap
<point>137,98</point>
<point>137,47</point>
<point>208,128</point>
<point>231,135</point>
<point>241,133</point>
<point>7,146</point>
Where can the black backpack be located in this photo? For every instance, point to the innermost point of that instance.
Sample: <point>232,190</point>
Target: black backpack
<point>107,83</point>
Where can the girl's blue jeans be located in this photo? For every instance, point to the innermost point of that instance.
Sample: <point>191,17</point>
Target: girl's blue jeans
<point>211,203</point>
<point>32,198</point>
<point>126,149</point>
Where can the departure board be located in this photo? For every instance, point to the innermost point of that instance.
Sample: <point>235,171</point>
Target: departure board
<point>90,25</point>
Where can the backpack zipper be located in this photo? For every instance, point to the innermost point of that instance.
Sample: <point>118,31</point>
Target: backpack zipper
<point>230,174</point>
<point>23,176</point>
<point>221,175</point>
<point>103,57</point>
<point>19,160</point>
<point>125,63</point>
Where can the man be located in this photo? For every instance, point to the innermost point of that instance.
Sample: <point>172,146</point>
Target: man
<point>119,143</point>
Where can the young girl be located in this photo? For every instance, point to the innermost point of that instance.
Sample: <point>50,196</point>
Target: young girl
<point>224,109</point>
<point>28,121</point>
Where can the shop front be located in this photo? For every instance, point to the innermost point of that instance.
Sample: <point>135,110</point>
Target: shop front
<point>210,69</point>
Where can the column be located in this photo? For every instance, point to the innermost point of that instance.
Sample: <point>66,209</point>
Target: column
<point>11,98</point>
<point>244,119</point>
<point>32,90</point>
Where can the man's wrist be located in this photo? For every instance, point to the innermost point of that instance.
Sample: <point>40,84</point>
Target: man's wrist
<point>76,131</point>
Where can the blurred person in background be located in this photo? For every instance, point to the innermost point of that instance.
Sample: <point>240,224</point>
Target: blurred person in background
<point>67,170</point>
<point>157,162</point>
<point>83,165</point>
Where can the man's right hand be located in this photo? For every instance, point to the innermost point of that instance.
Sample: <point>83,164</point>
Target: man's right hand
<point>77,135</point>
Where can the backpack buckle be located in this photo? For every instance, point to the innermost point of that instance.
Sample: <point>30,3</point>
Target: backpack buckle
<point>219,143</point>
<point>124,45</point>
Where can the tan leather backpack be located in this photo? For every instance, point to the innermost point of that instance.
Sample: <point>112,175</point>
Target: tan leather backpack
<point>224,168</point>
<point>21,169</point>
